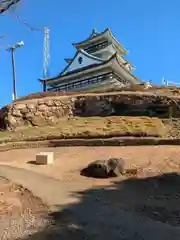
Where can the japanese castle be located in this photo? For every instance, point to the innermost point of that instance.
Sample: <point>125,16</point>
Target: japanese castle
<point>98,65</point>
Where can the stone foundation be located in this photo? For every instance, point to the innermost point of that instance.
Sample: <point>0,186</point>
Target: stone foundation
<point>34,113</point>
<point>47,111</point>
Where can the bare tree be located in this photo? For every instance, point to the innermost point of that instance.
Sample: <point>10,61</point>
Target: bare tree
<point>6,4</point>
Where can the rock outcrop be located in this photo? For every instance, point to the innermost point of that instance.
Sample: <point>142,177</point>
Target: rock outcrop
<point>35,113</point>
<point>112,167</point>
<point>48,110</point>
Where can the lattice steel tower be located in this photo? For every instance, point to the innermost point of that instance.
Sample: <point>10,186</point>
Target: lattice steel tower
<point>46,54</point>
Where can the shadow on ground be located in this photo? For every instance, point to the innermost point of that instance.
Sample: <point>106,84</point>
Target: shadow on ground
<point>129,209</point>
<point>32,162</point>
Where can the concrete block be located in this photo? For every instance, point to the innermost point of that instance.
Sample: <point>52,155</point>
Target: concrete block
<point>45,158</point>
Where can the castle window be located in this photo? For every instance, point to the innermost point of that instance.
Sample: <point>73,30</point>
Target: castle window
<point>80,60</point>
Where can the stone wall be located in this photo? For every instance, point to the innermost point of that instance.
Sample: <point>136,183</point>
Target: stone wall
<point>34,113</point>
<point>45,111</point>
<point>124,105</point>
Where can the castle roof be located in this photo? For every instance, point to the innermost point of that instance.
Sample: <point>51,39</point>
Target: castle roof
<point>114,64</point>
<point>87,58</point>
<point>95,37</point>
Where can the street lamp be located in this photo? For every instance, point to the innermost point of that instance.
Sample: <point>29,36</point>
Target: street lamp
<point>12,49</point>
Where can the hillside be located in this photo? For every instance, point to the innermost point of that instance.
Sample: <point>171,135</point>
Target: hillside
<point>92,127</point>
<point>167,91</point>
<point>136,111</point>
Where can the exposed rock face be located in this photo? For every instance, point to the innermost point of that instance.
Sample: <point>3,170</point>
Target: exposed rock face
<point>35,113</point>
<point>124,105</point>
<point>112,167</point>
<point>39,112</point>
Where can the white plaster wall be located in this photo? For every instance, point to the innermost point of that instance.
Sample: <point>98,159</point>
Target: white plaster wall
<point>86,62</point>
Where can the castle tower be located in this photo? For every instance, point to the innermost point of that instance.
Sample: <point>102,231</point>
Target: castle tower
<point>98,65</point>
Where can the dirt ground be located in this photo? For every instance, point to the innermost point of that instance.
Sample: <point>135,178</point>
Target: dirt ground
<point>150,160</point>
<point>154,193</point>
<point>21,213</point>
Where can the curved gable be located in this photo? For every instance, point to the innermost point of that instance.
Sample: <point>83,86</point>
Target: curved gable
<point>81,60</point>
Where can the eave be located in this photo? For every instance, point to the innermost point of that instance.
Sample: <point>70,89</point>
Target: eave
<point>78,72</point>
<point>107,34</point>
<point>125,62</point>
<point>117,43</point>
<point>68,60</point>
<point>89,39</point>
<point>132,67</point>
<point>113,63</point>
<point>132,76</point>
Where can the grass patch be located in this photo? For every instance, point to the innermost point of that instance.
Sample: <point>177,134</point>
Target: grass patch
<point>91,127</point>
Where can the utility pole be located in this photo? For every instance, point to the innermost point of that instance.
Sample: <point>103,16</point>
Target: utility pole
<point>14,95</point>
<point>12,50</point>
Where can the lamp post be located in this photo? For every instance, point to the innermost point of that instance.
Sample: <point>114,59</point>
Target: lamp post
<point>12,49</point>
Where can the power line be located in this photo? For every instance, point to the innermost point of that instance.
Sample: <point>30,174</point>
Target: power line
<point>32,28</point>
<point>46,30</point>
<point>46,51</point>
<point>1,37</point>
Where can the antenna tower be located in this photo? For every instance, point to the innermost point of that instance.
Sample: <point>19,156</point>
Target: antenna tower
<point>46,52</point>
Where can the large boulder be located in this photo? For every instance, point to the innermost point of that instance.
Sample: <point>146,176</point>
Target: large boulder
<point>112,167</point>
<point>116,166</point>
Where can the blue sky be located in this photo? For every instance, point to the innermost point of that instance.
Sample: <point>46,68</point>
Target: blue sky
<point>149,29</point>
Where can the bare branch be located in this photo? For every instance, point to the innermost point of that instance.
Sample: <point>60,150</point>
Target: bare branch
<point>6,4</point>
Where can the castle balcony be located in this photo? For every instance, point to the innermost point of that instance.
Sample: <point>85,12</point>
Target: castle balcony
<point>107,80</point>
